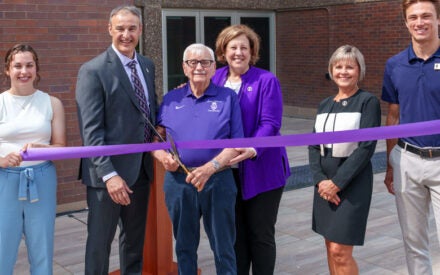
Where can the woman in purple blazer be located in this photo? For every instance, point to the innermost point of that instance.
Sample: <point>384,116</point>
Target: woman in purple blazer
<point>261,178</point>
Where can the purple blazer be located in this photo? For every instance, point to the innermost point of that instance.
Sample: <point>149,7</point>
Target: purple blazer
<point>261,110</point>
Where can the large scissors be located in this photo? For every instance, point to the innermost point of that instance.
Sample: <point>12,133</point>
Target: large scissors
<point>173,151</point>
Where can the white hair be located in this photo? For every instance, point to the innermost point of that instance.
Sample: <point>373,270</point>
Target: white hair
<point>198,48</point>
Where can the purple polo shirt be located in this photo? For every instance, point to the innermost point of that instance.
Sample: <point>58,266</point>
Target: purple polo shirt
<point>215,115</point>
<point>414,84</point>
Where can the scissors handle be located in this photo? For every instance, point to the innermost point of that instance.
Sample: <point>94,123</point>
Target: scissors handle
<point>182,165</point>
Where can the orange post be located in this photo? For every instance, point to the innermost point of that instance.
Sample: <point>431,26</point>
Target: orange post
<point>158,246</point>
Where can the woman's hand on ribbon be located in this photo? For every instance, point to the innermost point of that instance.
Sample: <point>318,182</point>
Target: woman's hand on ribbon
<point>11,160</point>
<point>244,153</point>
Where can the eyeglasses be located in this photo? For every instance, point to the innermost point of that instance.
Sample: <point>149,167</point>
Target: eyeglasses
<point>194,62</point>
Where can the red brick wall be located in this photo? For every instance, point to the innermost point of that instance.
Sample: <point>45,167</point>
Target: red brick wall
<point>65,34</point>
<point>307,38</point>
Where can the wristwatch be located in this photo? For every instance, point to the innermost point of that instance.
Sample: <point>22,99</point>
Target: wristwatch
<point>215,164</point>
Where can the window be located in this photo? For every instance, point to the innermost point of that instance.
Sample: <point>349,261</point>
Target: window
<point>182,28</point>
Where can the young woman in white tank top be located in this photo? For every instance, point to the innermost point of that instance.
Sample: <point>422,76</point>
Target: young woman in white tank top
<point>28,118</point>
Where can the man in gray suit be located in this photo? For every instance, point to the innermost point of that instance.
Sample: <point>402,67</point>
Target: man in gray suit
<point>115,97</point>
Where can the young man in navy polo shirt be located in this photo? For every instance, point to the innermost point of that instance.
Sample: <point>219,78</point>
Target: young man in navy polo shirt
<point>411,86</point>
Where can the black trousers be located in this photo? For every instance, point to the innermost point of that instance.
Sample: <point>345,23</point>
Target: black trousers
<point>255,223</point>
<point>104,216</point>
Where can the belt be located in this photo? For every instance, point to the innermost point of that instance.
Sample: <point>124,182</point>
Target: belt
<point>180,169</point>
<point>422,152</point>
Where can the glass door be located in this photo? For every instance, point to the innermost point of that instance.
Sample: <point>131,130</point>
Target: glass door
<point>212,26</point>
<point>181,28</point>
<point>261,26</point>
<point>178,38</point>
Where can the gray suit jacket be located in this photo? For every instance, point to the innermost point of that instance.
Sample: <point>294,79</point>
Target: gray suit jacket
<point>109,113</point>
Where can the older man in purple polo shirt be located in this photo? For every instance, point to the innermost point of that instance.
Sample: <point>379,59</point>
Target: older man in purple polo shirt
<point>201,111</point>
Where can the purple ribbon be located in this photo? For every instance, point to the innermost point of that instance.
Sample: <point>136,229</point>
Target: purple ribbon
<point>55,153</point>
<point>385,132</point>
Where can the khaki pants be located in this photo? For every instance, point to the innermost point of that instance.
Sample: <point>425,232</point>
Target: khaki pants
<point>416,185</point>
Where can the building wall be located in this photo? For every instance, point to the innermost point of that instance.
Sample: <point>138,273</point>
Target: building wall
<point>307,33</point>
<point>69,32</point>
<point>65,34</point>
<point>306,38</point>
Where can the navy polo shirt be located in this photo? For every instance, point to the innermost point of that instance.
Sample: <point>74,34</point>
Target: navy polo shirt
<point>414,84</point>
<point>215,115</point>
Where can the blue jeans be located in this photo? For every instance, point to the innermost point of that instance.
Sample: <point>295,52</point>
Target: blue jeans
<point>30,211</point>
<point>216,203</point>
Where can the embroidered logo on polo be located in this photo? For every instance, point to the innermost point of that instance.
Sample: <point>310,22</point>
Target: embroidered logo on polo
<point>214,106</point>
<point>178,107</point>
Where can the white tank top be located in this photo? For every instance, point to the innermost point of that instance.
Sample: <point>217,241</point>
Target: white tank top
<point>24,119</point>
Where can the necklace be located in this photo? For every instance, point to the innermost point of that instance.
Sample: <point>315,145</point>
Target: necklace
<point>340,96</point>
<point>22,101</point>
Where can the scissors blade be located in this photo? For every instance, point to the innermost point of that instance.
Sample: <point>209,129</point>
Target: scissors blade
<point>172,151</point>
<point>175,153</point>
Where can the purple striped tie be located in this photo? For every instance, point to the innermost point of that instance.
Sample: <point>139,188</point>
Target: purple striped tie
<point>140,94</point>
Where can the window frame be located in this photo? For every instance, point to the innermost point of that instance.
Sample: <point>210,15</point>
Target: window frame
<point>199,16</point>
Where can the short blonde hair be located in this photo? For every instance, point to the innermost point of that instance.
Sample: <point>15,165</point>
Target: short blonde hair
<point>347,52</point>
<point>231,32</point>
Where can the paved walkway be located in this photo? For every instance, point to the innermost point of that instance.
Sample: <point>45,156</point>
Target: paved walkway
<point>300,250</point>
